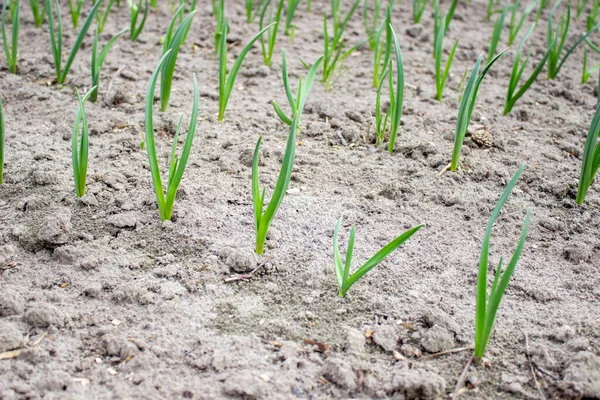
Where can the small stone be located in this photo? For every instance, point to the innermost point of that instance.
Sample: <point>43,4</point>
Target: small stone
<point>386,337</point>
<point>355,342</point>
<point>130,76</point>
<point>483,138</point>
<point>416,384</point>
<point>340,373</point>
<point>56,228</point>
<point>240,261</point>
<point>437,339</point>
<point>11,337</point>
<point>11,303</point>
<point>43,315</point>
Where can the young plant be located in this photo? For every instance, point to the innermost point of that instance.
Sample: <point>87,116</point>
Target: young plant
<point>516,25</point>
<point>419,7</point>
<point>517,71</point>
<point>581,4</point>
<point>226,81</point>
<point>250,13</point>
<point>221,29</point>
<point>591,158</point>
<point>79,149</point>
<point>289,16</point>
<point>555,38</point>
<point>56,39</point>
<point>398,94</point>
<point>177,164</point>
<point>75,11</point>
<point>263,219</point>
<point>98,61</point>
<point>334,45</point>
<point>382,48</point>
<point>102,17</point>
<point>304,87</point>
<point>381,119</point>
<point>11,51</point>
<point>486,308</point>
<point>268,45</point>
<point>342,270</point>
<point>172,45</point>
<point>442,76</point>
<point>1,142</point>
<point>467,104</point>
<point>39,12</point>
<point>438,17</point>
<point>586,73</point>
<point>496,33</point>
<point>591,18</point>
<point>134,12</point>
<point>373,27</point>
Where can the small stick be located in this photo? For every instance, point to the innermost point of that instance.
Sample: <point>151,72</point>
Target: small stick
<point>446,168</point>
<point>443,353</point>
<point>537,384</point>
<point>245,277</point>
<point>461,379</point>
<point>40,339</point>
<point>547,373</point>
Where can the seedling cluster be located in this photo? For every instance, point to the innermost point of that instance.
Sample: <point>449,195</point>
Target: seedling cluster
<point>388,72</point>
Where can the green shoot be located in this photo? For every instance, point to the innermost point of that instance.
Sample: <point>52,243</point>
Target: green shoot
<point>591,158</point>
<point>442,76</point>
<point>98,61</point>
<point>39,12</point>
<point>419,7</point>
<point>304,87</point>
<point>166,201</point>
<point>56,39</point>
<point>226,81</point>
<point>1,142</point>
<point>581,4</point>
<point>334,45</point>
<point>438,17</point>
<point>556,38</point>
<point>11,51</point>
<point>382,49</point>
<point>543,5</point>
<point>516,25</point>
<point>467,104</point>
<point>490,10</point>
<point>268,45</point>
<point>381,120</point>
<point>75,10</point>
<point>219,10</point>
<point>486,308</point>
<point>289,16</point>
<point>591,18</point>
<point>250,13</point>
<point>517,71</point>
<point>172,45</point>
<point>373,28</point>
<point>586,73</point>
<point>102,17</point>
<point>496,33</point>
<point>134,12</point>
<point>398,98</point>
<point>79,149</point>
<point>342,270</point>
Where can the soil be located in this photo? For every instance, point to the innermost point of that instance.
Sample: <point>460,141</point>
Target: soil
<point>102,300</point>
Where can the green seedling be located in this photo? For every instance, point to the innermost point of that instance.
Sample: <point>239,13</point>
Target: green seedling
<point>591,158</point>
<point>263,219</point>
<point>135,29</point>
<point>1,142</point>
<point>515,24</point>
<point>334,45</point>
<point>381,119</point>
<point>268,45</point>
<point>382,48</point>
<point>251,6</point>
<point>290,29</point>
<point>98,61</point>
<point>441,76</point>
<point>586,73</point>
<point>75,11</point>
<point>591,18</point>
<point>221,29</point>
<point>226,81</point>
<point>486,308</point>
<point>304,87</point>
<point>166,201</point>
<point>102,17</point>
<point>172,44</point>
<point>418,9</point>
<point>512,94</point>
<point>10,51</point>
<point>342,270</point>
<point>39,12</point>
<point>543,5</point>
<point>556,38</point>
<point>398,95</point>
<point>80,148</point>
<point>496,33</point>
<point>581,4</point>
<point>373,28</point>
<point>56,39</point>
<point>438,17</point>
<point>467,104</point>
